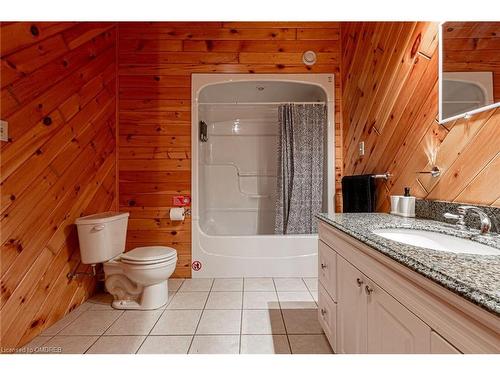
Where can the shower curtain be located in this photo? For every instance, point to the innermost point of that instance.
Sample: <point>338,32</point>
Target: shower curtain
<point>301,145</point>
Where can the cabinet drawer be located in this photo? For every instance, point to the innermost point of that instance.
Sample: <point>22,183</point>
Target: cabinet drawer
<point>327,268</point>
<point>327,315</point>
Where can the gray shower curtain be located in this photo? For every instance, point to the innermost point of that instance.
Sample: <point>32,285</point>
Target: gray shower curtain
<point>301,144</point>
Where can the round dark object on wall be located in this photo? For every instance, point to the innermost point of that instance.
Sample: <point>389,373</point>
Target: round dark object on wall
<point>34,30</point>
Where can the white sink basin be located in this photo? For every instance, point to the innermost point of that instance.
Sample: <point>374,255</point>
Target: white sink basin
<point>436,241</point>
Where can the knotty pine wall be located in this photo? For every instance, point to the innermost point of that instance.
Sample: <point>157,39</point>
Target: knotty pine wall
<point>390,101</point>
<point>473,47</point>
<point>58,94</point>
<point>156,61</point>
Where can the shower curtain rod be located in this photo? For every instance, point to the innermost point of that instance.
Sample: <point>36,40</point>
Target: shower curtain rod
<point>263,103</point>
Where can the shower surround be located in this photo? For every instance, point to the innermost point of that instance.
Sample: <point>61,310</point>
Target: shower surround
<point>235,173</point>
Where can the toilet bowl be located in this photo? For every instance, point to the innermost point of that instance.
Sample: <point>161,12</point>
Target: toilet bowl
<point>137,279</point>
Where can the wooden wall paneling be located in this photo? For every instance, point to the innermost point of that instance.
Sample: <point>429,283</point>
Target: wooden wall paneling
<point>156,63</point>
<point>401,134</point>
<point>59,164</point>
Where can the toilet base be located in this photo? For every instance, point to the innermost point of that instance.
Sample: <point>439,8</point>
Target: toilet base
<point>150,298</point>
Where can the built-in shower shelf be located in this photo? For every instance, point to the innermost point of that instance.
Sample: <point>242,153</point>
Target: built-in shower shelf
<point>240,175</point>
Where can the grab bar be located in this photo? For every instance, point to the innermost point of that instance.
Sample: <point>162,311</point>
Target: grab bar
<point>252,174</point>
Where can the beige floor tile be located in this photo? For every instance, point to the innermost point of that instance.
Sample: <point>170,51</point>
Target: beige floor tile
<point>215,345</point>
<point>196,285</point>
<point>116,345</point>
<point>309,344</point>
<point>33,346</point>
<point>262,322</point>
<point>58,326</point>
<point>299,321</point>
<point>165,345</point>
<point>177,322</point>
<point>289,284</point>
<point>227,285</point>
<point>311,283</point>
<point>70,344</point>
<point>296,300</point>
<point>134,323</point>
<point>92,322</point>
<point>188,301</point>
<point>174,284</point>
<point>264,344</point>
<point>260,300</point>
<point>225,300</point>
<point>259,284</point>
<point>219,322</point>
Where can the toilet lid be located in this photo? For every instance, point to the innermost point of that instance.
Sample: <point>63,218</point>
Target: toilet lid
<point>149,254</point>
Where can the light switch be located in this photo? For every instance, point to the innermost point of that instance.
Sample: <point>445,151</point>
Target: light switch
<point>361,148</point>
<point>4,131</point>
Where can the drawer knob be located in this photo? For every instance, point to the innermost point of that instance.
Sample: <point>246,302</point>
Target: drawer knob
<point>359,281</point>
<point>323,266</point>
<point>368,290</point>
<point>323,312</point>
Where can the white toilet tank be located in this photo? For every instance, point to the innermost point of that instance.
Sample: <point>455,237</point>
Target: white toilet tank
<point>102,236</point>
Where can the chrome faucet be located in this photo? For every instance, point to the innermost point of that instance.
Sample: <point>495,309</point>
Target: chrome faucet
<point>462,211</point>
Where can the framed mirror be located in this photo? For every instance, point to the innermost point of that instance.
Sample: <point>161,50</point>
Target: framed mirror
<point>469,69</point>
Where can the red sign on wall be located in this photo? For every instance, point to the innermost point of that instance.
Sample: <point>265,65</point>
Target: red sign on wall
<point>181,200</point>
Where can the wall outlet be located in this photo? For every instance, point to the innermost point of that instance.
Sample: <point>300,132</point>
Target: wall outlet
<point>361,148</point>
<point>4,131</point>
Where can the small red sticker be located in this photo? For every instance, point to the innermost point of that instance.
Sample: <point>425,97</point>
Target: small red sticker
<point>181,200</point>
<point>196,265</point>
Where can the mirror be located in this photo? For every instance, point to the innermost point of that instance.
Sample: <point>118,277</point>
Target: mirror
<point>469,69</point>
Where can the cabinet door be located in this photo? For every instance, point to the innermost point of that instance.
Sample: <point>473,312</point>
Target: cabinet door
<point>327,315</point>
<point>351,309</point>
<point>441,346</point>
<point>392,328</point>
<point>327,268</point>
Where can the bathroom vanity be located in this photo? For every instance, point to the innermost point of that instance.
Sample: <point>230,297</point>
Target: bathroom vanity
<point>377,295</point>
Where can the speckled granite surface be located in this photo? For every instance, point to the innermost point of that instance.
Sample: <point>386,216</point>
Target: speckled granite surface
<point>434,210</point>
<point>474,277</point>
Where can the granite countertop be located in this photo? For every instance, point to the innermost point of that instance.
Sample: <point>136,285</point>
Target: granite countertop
<point>474,277</point>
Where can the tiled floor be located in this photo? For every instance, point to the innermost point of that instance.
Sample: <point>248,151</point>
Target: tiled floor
<point>224,316</point>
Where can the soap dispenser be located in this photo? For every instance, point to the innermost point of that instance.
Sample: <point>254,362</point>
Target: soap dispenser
<point>407,204</point>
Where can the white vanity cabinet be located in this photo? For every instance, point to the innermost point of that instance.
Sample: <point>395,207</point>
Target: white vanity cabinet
<point>369,320</point>
<point>381,306</point>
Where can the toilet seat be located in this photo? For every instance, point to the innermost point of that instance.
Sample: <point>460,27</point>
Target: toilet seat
<point>149,255</point>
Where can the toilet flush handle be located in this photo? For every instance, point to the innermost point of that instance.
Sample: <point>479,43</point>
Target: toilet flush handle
<point>98,227</point>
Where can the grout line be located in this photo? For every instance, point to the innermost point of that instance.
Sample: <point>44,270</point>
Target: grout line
<point>102,334</point>
<point>241,316</point>
<point>311,292</point>
<point>155,323</point>
<point>201,315</point>
<point>283,319</point>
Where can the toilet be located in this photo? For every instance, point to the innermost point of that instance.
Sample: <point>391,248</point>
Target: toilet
<point>137,279</point>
